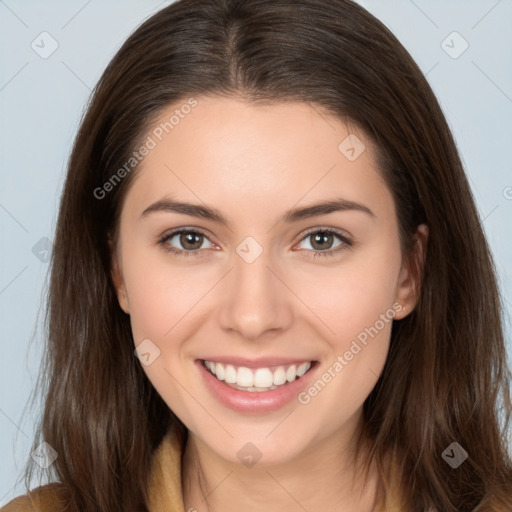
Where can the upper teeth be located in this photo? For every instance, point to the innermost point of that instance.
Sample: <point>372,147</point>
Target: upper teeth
<point>257,377</point>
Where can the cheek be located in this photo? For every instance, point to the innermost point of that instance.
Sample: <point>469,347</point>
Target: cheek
<point>358,308</point>
<point>160,293</point>
<point>161,301</point>
<point>351,297</point>
<point>355,305</point>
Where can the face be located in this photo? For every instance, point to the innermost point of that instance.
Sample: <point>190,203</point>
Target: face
<point>262,316</point>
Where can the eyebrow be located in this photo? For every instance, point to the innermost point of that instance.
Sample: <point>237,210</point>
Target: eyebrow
<point>292,215</point>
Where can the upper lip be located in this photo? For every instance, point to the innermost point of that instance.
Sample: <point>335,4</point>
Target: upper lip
<point>262,362</point>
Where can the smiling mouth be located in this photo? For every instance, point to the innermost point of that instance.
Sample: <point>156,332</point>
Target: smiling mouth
<point>257,379</point>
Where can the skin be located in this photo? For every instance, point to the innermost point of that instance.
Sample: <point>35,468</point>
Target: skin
<point>262,161</point>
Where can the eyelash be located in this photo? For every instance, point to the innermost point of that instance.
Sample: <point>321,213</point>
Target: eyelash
<point>346,243</point>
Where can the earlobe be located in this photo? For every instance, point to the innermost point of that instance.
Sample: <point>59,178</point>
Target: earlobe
<point>410,276</point>
<point>117,279</point>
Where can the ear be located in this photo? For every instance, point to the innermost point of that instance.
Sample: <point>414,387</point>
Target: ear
<point>117,278</point>
<point>410,276</point>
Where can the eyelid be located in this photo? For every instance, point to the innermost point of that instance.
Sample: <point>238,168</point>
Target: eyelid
<point>167,235</point>
<point>341,233</point>
<point>193,229</point>
<point>346,241</point>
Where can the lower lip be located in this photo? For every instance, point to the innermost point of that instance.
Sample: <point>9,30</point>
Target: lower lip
<point>256,401</point>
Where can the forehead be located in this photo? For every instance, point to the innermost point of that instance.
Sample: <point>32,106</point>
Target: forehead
<point>238,152</point>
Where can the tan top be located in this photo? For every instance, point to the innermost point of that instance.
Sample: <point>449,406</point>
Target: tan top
<point>165,486</point>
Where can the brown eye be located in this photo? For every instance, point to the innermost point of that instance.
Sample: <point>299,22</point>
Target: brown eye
<point>322,242</point>
<point>191,241</point>
<point>185,242</point>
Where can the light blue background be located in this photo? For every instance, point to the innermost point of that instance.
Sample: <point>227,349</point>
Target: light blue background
<point>41,103</point>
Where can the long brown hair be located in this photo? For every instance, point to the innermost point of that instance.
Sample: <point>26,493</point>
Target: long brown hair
<point>446,378</point>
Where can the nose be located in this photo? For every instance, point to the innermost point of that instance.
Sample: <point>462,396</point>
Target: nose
<point>255,299</point>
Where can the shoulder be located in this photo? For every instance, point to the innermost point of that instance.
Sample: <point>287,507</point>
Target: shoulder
<point>48,498</point>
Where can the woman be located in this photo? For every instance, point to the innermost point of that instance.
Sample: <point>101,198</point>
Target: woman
<point>270,288</point>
